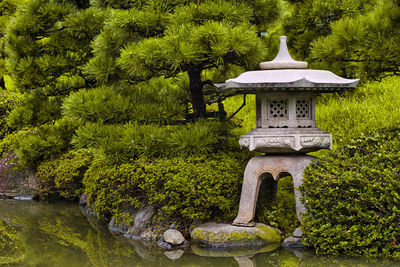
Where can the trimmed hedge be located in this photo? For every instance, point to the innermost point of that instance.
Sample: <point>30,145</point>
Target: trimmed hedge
<point>352,197</point>
<point>63,176</point>
<point>184,189</point>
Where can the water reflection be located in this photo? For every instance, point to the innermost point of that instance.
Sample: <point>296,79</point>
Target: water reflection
<point>39,234</point>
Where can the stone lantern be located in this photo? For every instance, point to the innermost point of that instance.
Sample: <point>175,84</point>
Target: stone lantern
<point>285,122</point>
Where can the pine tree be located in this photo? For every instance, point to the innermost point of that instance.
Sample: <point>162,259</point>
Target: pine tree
<point>7,9</point>
<point>210,35</point>
<point>311,19</point>
<point>167,39</point>
<point>127,84</point>
<point>151,63</point>
<point>366,45</point>
<point>47,44</point>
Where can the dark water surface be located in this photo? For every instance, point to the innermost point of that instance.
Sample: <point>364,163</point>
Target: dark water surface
<point>43,234</point>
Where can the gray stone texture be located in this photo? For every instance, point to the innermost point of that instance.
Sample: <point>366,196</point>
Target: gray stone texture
<point>286,140</point>
<point>173,237</point>
<point>292,243</point>
<point>142,220</point>
<point>298,232</point>
<point>244,261</point>
<point>17,181</point>
<point>278,166</point>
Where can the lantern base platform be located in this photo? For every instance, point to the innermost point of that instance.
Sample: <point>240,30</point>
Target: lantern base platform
<point>286,140</point>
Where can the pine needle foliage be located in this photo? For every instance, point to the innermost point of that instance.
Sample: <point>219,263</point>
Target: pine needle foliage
<point>197,37</point>
<point>121,28</point>
<point>351,38</point>
<point>122,143</point>
<point>47,142</point>
<point>366,45</point>
<point>7,10</point>
<point>146,102</point>
<point>311,19</point>
<point>150,62</point>
<point>47,43</point>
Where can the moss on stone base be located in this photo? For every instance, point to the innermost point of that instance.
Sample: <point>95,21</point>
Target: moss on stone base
<point>226,235</point>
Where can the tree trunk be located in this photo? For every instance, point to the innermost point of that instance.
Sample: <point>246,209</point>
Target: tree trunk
<point>2,83</point>
<point>196,93</point>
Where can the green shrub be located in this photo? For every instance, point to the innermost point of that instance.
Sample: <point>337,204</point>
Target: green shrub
<point>63,177</point>
<point>352,198</point>
<point>184,189</point>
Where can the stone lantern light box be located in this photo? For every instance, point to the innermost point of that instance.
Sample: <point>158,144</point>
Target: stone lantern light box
<point>285,103</point>
<point>285,122</point>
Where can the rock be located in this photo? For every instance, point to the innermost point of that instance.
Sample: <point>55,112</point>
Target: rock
<point>150,235</point>
<point>24,198</point>
<point>117,229</point>
<point>142,220</point>
<point>228,236</point>
<point>168,246</point>
<point>292,243</point>
<point>174,237</point>
<point>16,180</point>
<point>163,244</point>
<point>83,200</point>
<point>174,254</point>
<point>298,232</point>
<point>140,229</point>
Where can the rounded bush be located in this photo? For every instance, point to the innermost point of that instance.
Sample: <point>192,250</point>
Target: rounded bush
<point>184,189</point>
<point>352,198</point>
<point>62,177</point>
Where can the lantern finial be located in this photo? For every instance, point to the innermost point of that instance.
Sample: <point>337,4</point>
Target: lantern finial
<point>283,60</point>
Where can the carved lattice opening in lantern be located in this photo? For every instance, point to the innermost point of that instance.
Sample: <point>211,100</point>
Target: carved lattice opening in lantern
<point>278,109</point>
<point>303,109</point>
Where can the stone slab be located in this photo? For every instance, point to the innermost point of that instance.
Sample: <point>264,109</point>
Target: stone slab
<point>217,235</point>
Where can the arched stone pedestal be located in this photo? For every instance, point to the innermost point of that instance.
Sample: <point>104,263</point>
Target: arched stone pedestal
<point>278,166</point>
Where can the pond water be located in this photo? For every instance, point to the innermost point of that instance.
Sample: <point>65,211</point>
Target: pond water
<point>45,234</point>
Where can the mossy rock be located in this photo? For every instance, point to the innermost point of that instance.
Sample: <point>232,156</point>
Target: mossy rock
<point>217,235</point>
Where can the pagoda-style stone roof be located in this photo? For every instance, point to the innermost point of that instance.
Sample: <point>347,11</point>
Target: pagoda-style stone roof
<point>284,74</point>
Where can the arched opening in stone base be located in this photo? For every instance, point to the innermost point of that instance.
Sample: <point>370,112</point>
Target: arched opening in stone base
<point>276,203</point>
